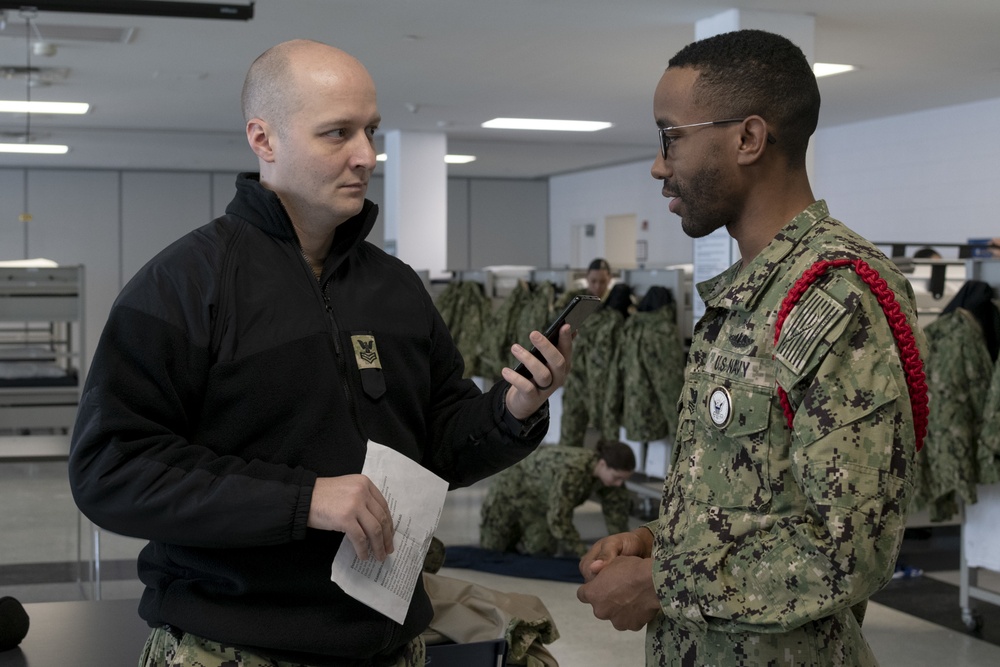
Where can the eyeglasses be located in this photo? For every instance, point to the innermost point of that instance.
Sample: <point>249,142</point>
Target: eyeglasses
<point>666,140</point>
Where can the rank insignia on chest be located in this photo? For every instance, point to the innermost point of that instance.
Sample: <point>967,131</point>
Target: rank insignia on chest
<point>720,407</point>
<point>365,352</point>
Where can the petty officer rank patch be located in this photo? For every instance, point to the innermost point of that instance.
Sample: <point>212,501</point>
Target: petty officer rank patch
<point>720,407</point>
<point>365,352</point>
<point>814,315</point>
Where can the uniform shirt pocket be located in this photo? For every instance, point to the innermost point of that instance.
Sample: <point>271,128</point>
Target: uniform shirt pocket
<point>724,445</point>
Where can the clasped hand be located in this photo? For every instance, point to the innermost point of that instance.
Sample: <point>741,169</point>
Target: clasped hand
<point>618,576</point>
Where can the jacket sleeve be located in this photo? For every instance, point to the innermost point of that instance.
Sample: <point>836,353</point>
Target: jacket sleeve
<point>132,468</point>
<point>851,454</point>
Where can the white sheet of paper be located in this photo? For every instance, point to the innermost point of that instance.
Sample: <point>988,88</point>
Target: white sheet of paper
<point>416,498</point>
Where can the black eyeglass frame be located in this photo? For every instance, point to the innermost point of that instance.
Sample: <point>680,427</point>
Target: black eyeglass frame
<point>665,140</point>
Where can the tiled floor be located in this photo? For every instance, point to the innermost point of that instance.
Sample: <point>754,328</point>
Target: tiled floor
<point>38,536</point>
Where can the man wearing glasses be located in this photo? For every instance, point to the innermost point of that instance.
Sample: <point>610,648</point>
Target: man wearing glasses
<point>803,403</point>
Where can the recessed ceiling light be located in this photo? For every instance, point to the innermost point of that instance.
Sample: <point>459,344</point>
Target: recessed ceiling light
<point>450,159</point>
<point>546,124</point>
<point>829,69</point>
<point>48,149</point>
<point>21,106</point>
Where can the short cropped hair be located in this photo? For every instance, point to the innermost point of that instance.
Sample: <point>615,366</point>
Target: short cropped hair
<point>754,72</point>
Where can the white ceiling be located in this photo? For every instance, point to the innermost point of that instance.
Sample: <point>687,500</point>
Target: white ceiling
<point>168,97</point>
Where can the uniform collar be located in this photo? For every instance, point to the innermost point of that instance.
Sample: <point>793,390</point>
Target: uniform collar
<point>739,289</point>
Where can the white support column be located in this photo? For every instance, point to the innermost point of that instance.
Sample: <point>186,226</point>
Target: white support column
<point>416,199</point>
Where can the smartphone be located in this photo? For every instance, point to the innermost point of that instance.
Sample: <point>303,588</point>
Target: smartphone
<point>574,314</point>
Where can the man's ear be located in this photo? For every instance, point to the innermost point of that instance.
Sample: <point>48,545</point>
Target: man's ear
<point>260,136</point>
<point>753,140</point>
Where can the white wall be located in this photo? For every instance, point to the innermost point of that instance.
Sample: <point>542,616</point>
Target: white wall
<point>931,176</point>
<point>588,197</point>
<point>927,177</point>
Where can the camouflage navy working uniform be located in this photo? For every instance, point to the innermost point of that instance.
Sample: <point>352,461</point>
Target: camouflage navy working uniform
<point>958,368</point>
<point>532,502</point>
<point>592,395</point>
<point>770,541</point>
<point>166,648</point>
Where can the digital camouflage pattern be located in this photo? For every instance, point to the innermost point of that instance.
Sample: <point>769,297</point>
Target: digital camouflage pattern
<point>770,541</point>
<point>467,311</point>
<point>166,649</point>
<point>651,365</point>
<point>592,392</point>
<point>988,446</point>
<point>958,366</point>
<point>532,502</point>
<point>501,331</point>
<point>536,313</point>
<point>574,420</point>
<point>525,309</point>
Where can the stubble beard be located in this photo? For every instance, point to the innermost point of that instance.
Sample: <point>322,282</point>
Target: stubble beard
<point>703,211</point>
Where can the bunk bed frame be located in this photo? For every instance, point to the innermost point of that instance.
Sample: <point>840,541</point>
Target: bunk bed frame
<point>41,331</point>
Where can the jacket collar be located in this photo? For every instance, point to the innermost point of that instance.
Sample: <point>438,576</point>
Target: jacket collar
<point>263,209</point>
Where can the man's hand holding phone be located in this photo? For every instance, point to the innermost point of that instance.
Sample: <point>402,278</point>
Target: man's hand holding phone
<point>527,394</point>
<point>543,369</point>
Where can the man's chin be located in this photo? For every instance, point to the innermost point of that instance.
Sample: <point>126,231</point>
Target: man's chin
<point>696,231</point>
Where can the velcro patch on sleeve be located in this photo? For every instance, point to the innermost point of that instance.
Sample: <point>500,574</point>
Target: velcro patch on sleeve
<point>811,318</point>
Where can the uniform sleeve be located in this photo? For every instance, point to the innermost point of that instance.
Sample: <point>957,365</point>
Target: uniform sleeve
<point>850,454</point>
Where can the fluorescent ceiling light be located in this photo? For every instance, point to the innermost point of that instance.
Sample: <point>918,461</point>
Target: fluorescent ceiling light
<point>546,124</point>
<point>20,106</point>
<point>49,149</point>
<point>450,159</point>
<point>829,69</point>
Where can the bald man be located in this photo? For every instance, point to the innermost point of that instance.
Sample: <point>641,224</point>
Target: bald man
<point>241,374</point>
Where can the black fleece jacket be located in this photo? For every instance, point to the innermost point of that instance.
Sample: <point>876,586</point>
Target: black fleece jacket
<point>225,382</point>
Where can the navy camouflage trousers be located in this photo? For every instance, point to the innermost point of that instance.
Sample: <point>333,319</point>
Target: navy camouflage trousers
<point>165,649</point>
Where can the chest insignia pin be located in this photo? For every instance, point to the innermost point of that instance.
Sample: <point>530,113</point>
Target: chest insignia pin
<point>720,407</point>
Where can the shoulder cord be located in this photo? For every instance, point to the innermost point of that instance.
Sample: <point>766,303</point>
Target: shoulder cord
<point>916,383</point>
